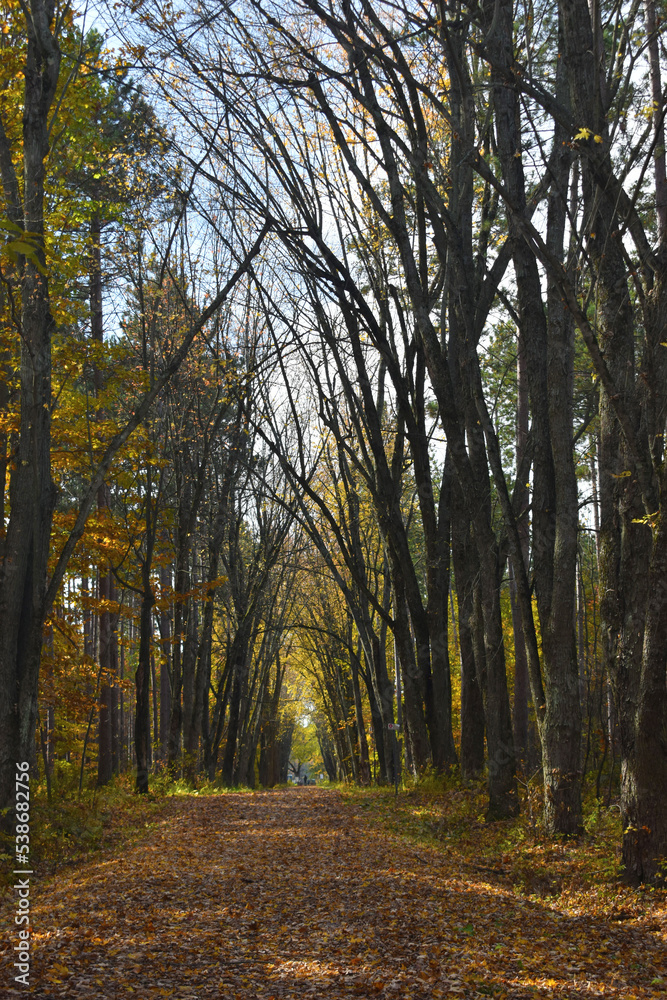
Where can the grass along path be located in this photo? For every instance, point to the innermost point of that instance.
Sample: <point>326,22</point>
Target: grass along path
<point>293,894</point>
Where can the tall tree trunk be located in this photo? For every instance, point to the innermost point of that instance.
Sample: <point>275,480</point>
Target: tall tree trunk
<point>562,721</point>
<point>238,665</point>
<point>25,548</point>
<point>181,603</point>
<point>465,562</point>
<point>165,660</point>
<point>190,740</point>
<point>659,159</point>
<point>364,760</point>
<point>385,703</point>
<point>269,762</point>
<point>142,729</point>
<point>521,684</point>
<point>549,349</point>
<point>415,723</point>
<point>154,696</point>
<point>108,640</point>
<point>202,682</point>
<point>644,775</point>
<point>633,571</point>
<point>433,646</point>
<point>107,660</point>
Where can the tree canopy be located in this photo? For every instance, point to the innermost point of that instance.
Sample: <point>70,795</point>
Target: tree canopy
<point>333,397</point>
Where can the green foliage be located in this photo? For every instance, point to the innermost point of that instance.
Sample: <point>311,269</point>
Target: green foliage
<point>498,366</point>
<point>305,745</point>
<point>72,828</point>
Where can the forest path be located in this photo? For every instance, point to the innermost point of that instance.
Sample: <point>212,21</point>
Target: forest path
<point>291,894</point>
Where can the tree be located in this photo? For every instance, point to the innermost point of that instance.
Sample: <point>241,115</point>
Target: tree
<point>283,157</point>
<point>623,330</point>
<point>25,545</point>
<point>26,589</point>
<point>633,406</point>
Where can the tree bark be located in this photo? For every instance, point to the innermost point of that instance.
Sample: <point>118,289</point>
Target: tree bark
<point>107,660</point>
<point>25,548</point>
<point>632,488</point>
<point>142,729</point>
<point>549,350</point>
<point>521,681</point>
<point>466,568</point>
<point>165,659</point>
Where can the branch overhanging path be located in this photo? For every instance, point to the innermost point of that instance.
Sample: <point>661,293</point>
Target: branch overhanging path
<point>293,894</point>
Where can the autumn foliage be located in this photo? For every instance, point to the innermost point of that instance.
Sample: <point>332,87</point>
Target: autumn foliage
<point>290,894</point>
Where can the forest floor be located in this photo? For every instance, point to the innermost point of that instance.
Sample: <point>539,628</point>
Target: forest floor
<point>307,893</point>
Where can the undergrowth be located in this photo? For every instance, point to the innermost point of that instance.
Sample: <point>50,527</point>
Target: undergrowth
<point>73,826</point>
<point>576,875</point>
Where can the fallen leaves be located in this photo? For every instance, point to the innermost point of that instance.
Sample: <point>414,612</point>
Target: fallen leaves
<point>293,894</point>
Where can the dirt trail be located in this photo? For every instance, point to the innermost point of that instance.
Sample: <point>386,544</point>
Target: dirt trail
<point>290,894</point>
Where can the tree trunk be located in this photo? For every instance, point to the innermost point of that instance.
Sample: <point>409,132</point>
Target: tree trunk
<point>238,664</point>
<point>269,758</point>
<point>385,702</point>
<point>521,683</point>
<point>191,727</point>
<point>561,756</point>
<point>415,723</point>
<point>165,659</point>
<point>465,562</point>
<point>107,653</point>
<point>25,549</point>
<point>644,771</point>
<point>181,604</point>
<point>549,351</point>
<point>633,570</point>
<point>107,620</point>
<point>364,761</point>
<point>142,729</point>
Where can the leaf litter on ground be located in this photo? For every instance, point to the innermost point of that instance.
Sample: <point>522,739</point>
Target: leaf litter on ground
<point>299,893</point>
